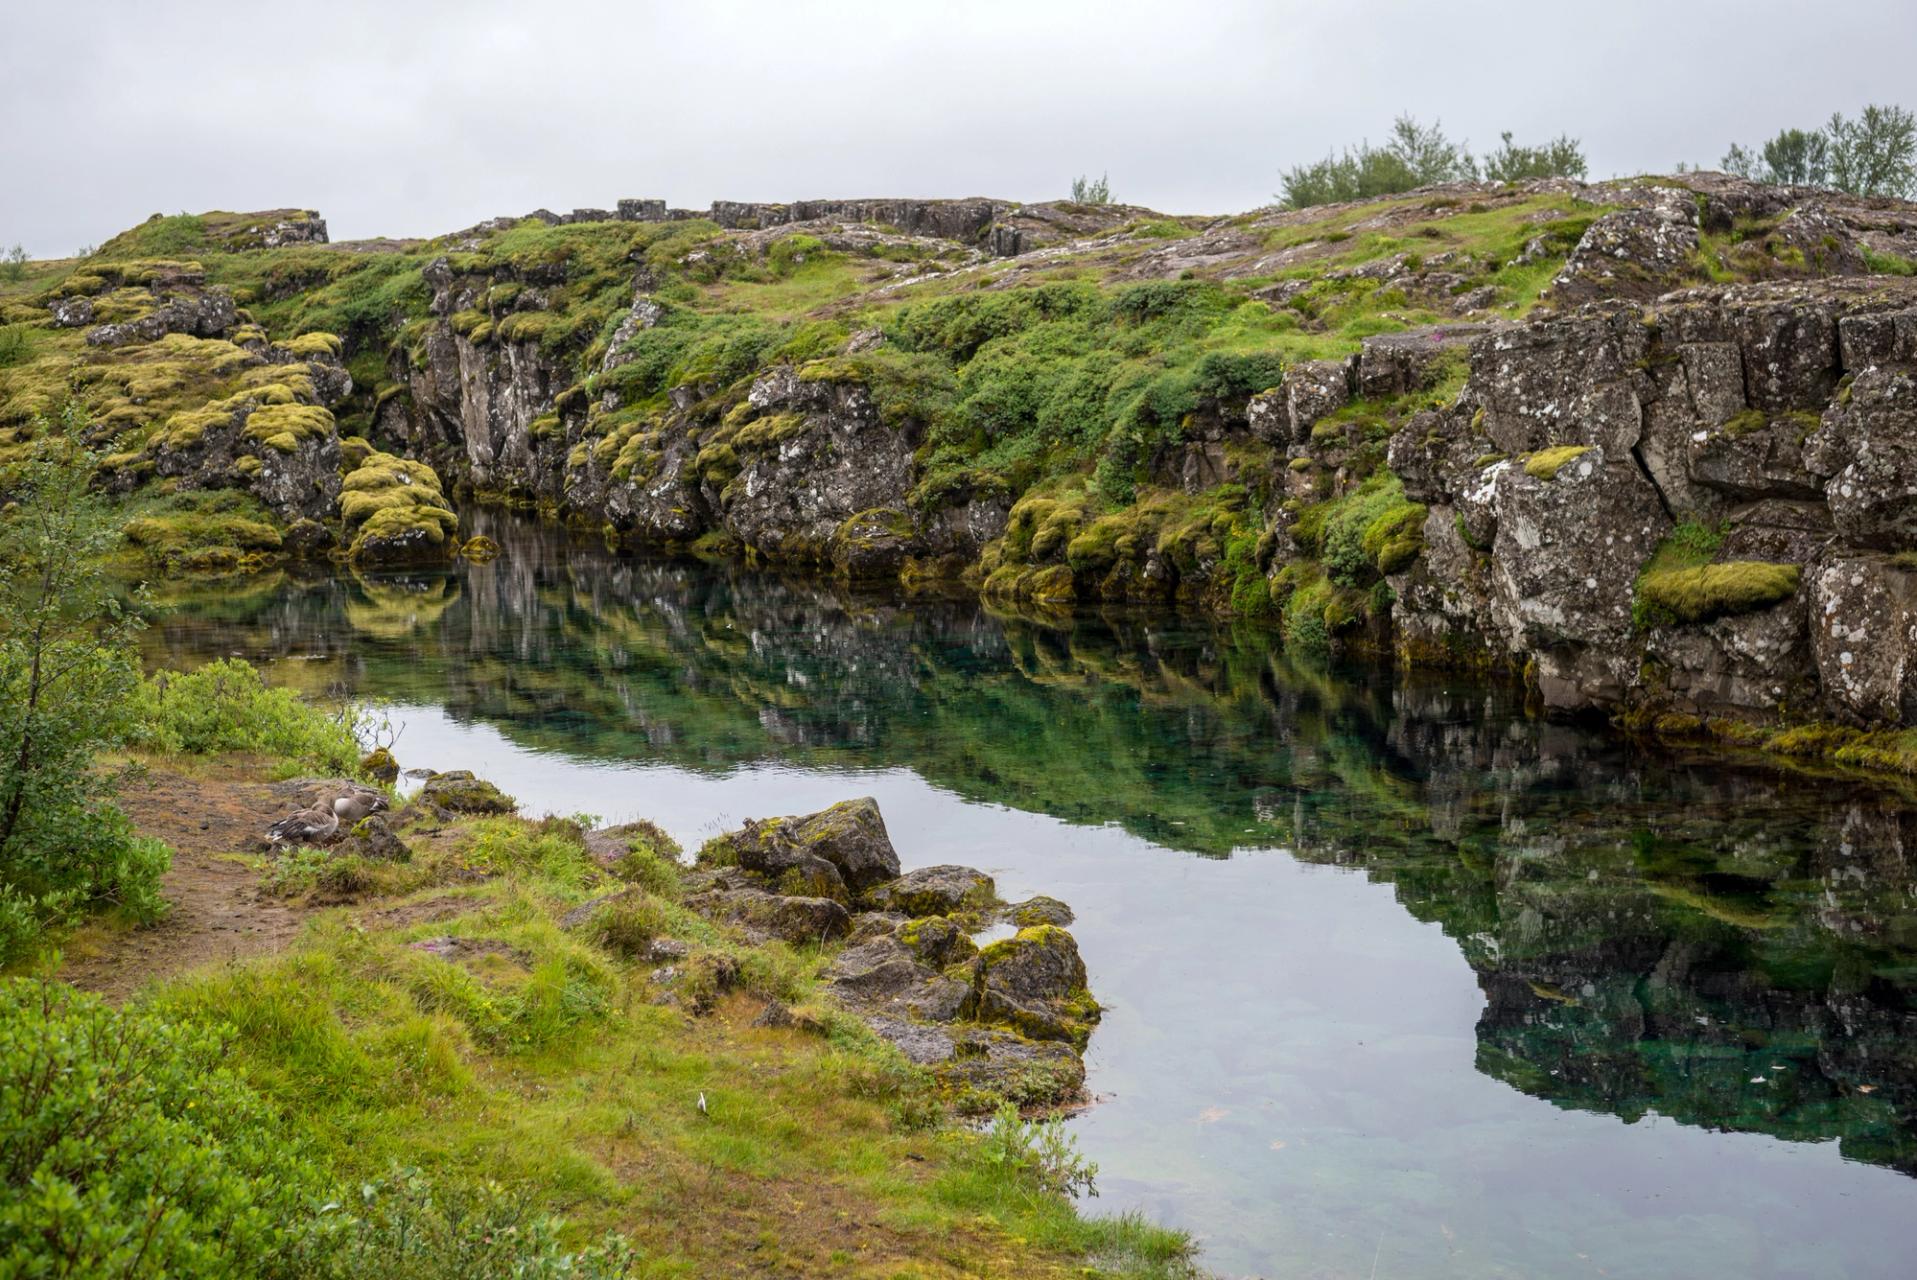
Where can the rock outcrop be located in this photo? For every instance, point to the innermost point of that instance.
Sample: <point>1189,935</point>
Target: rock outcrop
<point>1744,427</point>
<point>1006,1021</point>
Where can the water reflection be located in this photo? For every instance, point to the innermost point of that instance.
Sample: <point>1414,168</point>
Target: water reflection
<point>1719,945</point>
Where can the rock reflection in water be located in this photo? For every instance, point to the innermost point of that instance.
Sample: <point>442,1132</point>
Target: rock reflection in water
<point>1721,943</point>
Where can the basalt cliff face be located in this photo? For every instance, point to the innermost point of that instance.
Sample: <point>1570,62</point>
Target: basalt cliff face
<point>1652,444</point>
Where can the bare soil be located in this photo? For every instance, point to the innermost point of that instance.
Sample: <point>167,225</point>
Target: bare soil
<point>216,910</point>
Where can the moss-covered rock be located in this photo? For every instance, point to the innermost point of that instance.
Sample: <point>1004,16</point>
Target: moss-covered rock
<point>458,791</point>
<point>1038,910</point>
<point>934,891</point>
<point>394,512</point>
<point>846,844</point>
<point>1034,982</point>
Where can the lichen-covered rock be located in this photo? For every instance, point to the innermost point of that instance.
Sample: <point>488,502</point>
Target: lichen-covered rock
<point>886,976</point>
<point>978,1067</point>
<point>1754,456</point>
<point>1743,664</point>
<point>373,837</point>
<point>203,314</point>
<point>938,941</point>
<point>1314,390</point>
<point>1868,447</point>
<point>1640,250</point>
<point>458,791</point>
<point>829,478</point>
<point>934,891</point>
<point>791,918</point>
<point>1863,616</point>
<point>271,441</point>
<point>873,544</point>
<point>1565,557</point>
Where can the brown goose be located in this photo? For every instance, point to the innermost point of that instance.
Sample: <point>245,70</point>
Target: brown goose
<point>305,826</point>
<point>318,825</point>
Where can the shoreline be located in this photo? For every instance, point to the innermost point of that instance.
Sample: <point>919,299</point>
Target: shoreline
<point>455,889</point>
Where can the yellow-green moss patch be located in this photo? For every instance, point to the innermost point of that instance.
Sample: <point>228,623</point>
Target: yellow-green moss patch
<point>1718,590</point>
<point>1546,463</point>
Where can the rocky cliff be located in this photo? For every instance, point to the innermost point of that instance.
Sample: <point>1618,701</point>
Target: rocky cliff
<point>1647,443</point>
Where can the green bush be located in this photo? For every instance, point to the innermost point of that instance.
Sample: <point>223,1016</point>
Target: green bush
<point>1036,1153</point>
<point>407,1228</point>
<point>228,706</point>
<point>67,679</point>
<point>126,1149</point>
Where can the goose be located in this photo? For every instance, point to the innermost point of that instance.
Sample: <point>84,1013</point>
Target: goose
<point>304,826</point>
<point>317,825</point>
<point>357,804</point>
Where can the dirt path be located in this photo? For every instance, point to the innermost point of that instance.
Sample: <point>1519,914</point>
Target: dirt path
<point>216,910</point>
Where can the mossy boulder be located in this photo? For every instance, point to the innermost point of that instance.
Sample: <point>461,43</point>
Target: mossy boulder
<point>938,941</point>
<point>460,792</point>
<point>395,512</point>
<point>846,843</point>
<point>1034,982</point>
<point>873,544</point>
<point>796,919</point>
<point>935,891</point>
<point>1037,910</point>
<point>379,765</point>
<point>373,837</point>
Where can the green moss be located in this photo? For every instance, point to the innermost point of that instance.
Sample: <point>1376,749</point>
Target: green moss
<point>1546,463</point>
<point>387,499</point>
<point>1716,590</point>
<point>314,344</point>
<point>284,427</point>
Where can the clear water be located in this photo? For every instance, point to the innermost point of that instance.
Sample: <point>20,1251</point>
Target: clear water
<point>1402,982</point>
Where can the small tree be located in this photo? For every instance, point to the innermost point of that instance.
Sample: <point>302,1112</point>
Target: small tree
<point>1875,154</point>
<point>13,264</point>
<point>1796,158</point>
<point>1092,191</point>
<point>1416,156</point>
<point>1561,157</point>
<point>67,677</point>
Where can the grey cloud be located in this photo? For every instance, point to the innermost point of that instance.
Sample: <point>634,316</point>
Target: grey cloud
<point>415,118</point>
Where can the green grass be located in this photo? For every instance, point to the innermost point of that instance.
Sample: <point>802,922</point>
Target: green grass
<point>534,1057</point>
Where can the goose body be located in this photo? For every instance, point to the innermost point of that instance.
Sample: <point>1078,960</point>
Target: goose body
<point>305,826</point>
<point>357,804</point>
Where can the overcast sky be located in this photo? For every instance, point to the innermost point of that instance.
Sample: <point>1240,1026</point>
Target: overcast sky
<point>403,118</point>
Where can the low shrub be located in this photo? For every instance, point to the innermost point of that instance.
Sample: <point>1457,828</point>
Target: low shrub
<point>228,706</point>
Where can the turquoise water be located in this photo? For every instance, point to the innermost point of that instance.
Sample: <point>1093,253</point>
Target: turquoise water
<point>1401,982</point>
